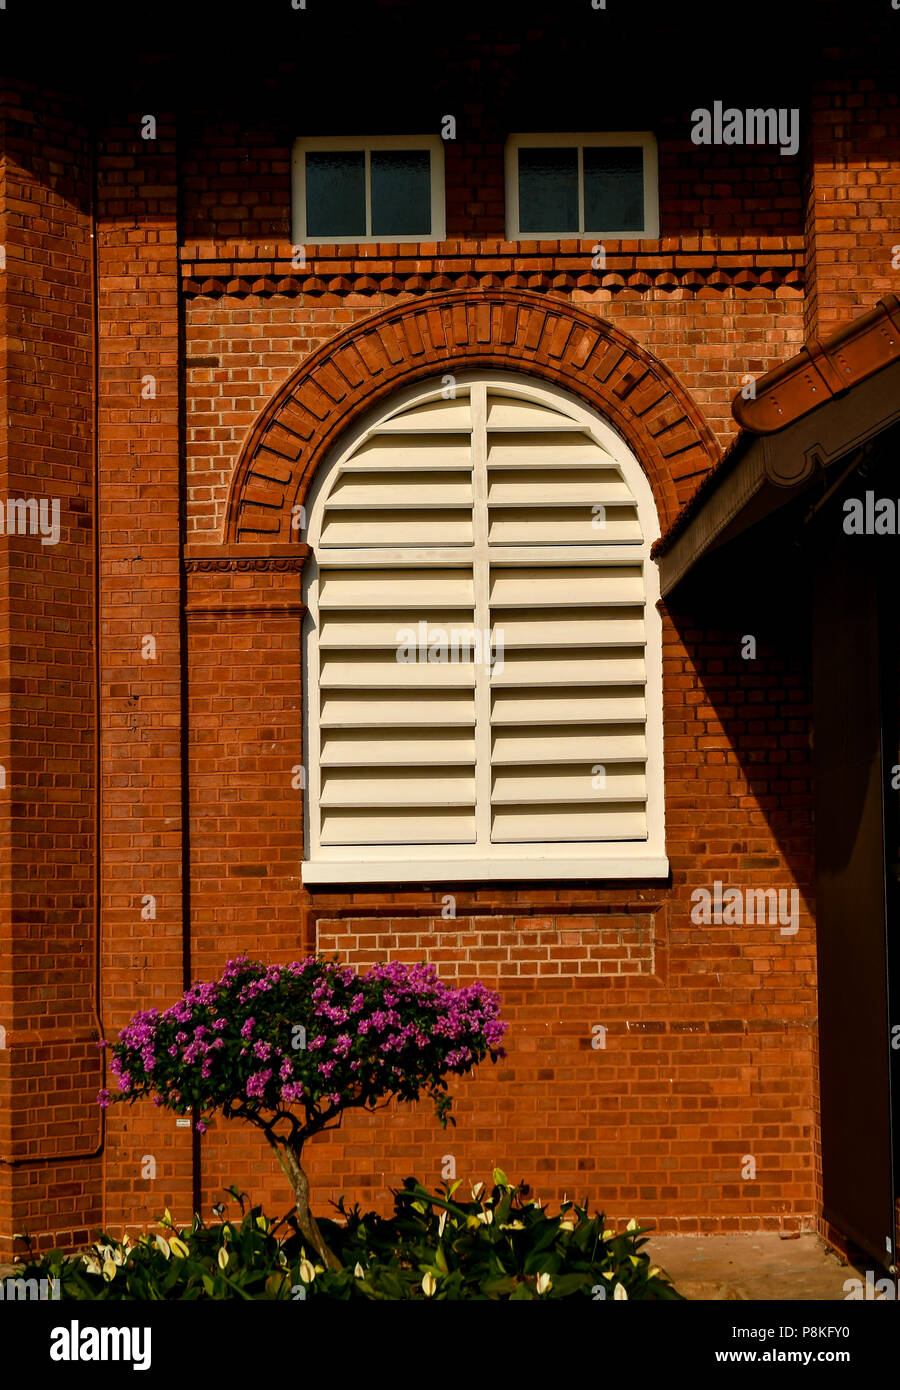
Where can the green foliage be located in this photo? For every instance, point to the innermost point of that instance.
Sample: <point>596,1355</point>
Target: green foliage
<point>229,1260</point>
<point>497,1246</point>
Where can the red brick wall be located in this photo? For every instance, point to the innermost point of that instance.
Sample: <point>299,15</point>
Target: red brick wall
<point>236,183</point>
<point>709,1052</point>
<point>50,1129</point>
<point>853,200</point>
<point>710,1042</point>
<point>709,338</point>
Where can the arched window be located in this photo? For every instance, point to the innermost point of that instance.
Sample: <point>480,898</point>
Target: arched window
<point>483,688</point>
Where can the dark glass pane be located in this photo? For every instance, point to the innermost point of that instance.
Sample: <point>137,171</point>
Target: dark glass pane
<point>335,193</point>
<point>548,190</point>
<point>401,192</point>
<point>613,188</point>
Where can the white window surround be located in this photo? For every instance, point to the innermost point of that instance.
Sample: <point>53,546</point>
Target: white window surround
<point>482,858</point>
<point>366,144</point>
<point>644,138</point>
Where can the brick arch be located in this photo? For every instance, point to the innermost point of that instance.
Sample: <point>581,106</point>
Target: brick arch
<point>512,331</point>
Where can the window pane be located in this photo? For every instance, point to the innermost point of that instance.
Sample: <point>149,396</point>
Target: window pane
<point>335,193</point>
<point>613,188</point>
<point>401,192</point>
<point>548,190</point>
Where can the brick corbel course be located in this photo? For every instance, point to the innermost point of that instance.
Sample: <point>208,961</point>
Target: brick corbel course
<point>265,268</point>
<point>241,582</point>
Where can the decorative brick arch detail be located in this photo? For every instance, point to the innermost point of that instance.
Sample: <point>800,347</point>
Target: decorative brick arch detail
<point>512,331</point>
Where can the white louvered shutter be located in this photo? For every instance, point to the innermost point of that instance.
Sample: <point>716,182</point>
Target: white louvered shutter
<point>504,516</point>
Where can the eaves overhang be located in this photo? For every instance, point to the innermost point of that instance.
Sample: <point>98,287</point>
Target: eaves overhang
<point>828,400</point>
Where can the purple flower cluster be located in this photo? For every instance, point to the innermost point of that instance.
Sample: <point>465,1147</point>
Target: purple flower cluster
<point>234,1042</point>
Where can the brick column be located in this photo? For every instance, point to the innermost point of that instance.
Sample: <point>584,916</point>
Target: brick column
<point>149,1163</point>
<point>244,616</point>
<point>50,1125</point>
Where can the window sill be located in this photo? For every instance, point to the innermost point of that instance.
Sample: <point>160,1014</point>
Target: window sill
<point>524,868</point>
<point>383,239</point>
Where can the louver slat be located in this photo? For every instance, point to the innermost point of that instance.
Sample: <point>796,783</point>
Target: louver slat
<point>598,822</point>
<point>374,589</point>
<point>543,525</point>
<point>414,826</point>
<point>561,586</point>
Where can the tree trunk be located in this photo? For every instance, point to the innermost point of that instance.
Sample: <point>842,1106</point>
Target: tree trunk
<point>289,1158</point>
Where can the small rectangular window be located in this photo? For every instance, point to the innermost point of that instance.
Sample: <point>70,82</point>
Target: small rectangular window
<point>384,188</point>
<point>581,186</point>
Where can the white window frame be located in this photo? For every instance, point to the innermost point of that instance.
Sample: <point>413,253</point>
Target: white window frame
<point>594,861</point>
<point>643,138</point>
<point>365,144</point>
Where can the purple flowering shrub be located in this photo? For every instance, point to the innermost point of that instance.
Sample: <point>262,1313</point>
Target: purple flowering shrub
<point>291,1047</point>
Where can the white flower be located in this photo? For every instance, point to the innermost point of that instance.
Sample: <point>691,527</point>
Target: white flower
<point>307,1271</point>
<point>544,1282</point>
<point>486,1217</point>
<point>359,1272</point>
<point>442,1221</point>
<point>109,1270</point>
<point>429,1286</point>
<point>609,1235</point>
<point>620,1292</point>
<point>93,1265</point>
<point>223,1257</point>
<point>477,1190</point>
<point>632,1225</point>
<point>163,1245</point>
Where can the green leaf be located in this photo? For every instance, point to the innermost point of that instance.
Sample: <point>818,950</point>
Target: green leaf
<point>506,1284</point>
<point>564,1284</point>
<point>542,1262</point>
<point>547,1236</point>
